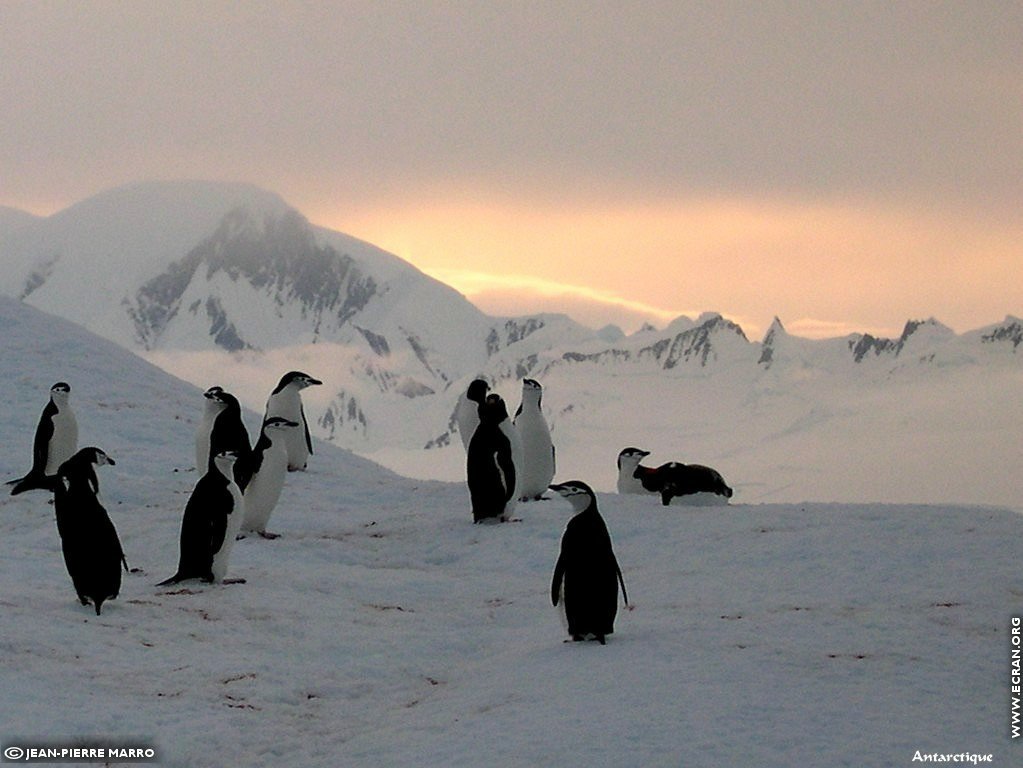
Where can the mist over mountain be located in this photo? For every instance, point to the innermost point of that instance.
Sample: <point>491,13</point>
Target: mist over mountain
<point>226,283</point>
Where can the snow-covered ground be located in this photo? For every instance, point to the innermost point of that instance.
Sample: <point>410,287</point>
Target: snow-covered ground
<point>384,629</point>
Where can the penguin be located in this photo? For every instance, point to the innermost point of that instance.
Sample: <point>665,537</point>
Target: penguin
<point>586,575</point>
<point>693,481</point>
<point>467,412</point>
<point>210,524</point>
<point>92,550</point>
<point>632,476</point>
<point>285,401</point>
<point>490,470</point>
<point>56,441</point>
<point>536,470</point>
<point>229,434</point>
<point>674,479</point>
<point>202,432</point>
<point>268,464</point>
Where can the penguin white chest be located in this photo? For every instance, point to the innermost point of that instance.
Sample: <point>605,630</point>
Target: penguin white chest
<point>234,525</point>
<point>64,442</point>
<point>287,404</point>
<point>264,489</point>
<point>537,466</point>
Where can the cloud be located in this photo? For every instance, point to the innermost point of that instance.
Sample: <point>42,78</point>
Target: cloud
<point>503,294</point>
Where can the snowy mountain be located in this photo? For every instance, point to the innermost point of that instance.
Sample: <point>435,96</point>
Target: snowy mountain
<point>384,628</point>
<point>216,282</point>
<point>11,220</point>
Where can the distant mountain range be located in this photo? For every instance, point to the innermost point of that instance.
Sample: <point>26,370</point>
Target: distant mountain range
<point>232,273</point>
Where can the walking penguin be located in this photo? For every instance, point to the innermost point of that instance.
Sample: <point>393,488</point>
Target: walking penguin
<point>586,575</point>
<point>92,549</point>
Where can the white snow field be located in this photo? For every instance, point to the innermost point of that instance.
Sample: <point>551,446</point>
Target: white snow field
<point>384,629</point>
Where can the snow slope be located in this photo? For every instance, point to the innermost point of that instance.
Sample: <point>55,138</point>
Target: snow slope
<point>383,628</point>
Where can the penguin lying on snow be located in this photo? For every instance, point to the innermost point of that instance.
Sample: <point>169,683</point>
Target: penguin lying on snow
<point>286,402</point>
<point>92,549</point>
<point>586,575</point>
<point>212,518</point>
<point>536,470</point>
<point>56,441</point>
<point>490,469</point>
<point>669,480</point>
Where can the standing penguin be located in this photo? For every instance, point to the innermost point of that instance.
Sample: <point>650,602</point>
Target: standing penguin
<point>490,470</point>
<point>229,434</point>
<point>56,440</point>
<point>213,516</point>
<point>586,575</point>
<point>92,549</point>
<point>537,467</point>
<point>268,464</point>
<point>467,412</point>
<point>286,402</point>
<point>202,432</point>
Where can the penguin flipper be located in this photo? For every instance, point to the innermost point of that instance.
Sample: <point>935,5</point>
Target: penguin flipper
<point>559,574</point>
<point>621,581</point>
<point>308,437</point>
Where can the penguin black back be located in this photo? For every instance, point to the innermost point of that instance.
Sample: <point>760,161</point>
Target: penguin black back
<point>490,471</point>
<point>229,434</point>
<point>92,550</point>
<point>203,527</point>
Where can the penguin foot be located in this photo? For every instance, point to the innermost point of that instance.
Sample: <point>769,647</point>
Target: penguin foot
<point>233,581</point>
<point>600,639</point>
<point>577,638</point>
<point>268,535</point>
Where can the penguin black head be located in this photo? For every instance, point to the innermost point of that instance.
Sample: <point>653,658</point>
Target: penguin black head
<point>92,455</point>
<point>60,392</point>
<point>226,399</point>
<point>83,462</point>
<point>578,493</point>
<point>296,379</point>
<point>477,391</point>
<point>212,392</point>
<point>224,462</point>
<point>632,457</point>
<point>531,384</point>
<point>493,410</point>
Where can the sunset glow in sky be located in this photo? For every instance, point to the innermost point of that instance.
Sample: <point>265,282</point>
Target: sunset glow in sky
<point>845,166</point>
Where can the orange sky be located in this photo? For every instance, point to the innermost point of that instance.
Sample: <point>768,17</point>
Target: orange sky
<point>825,269</point>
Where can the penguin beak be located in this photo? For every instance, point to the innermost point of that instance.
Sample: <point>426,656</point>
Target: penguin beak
<point>556,488</point>
<point>312,382</point>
